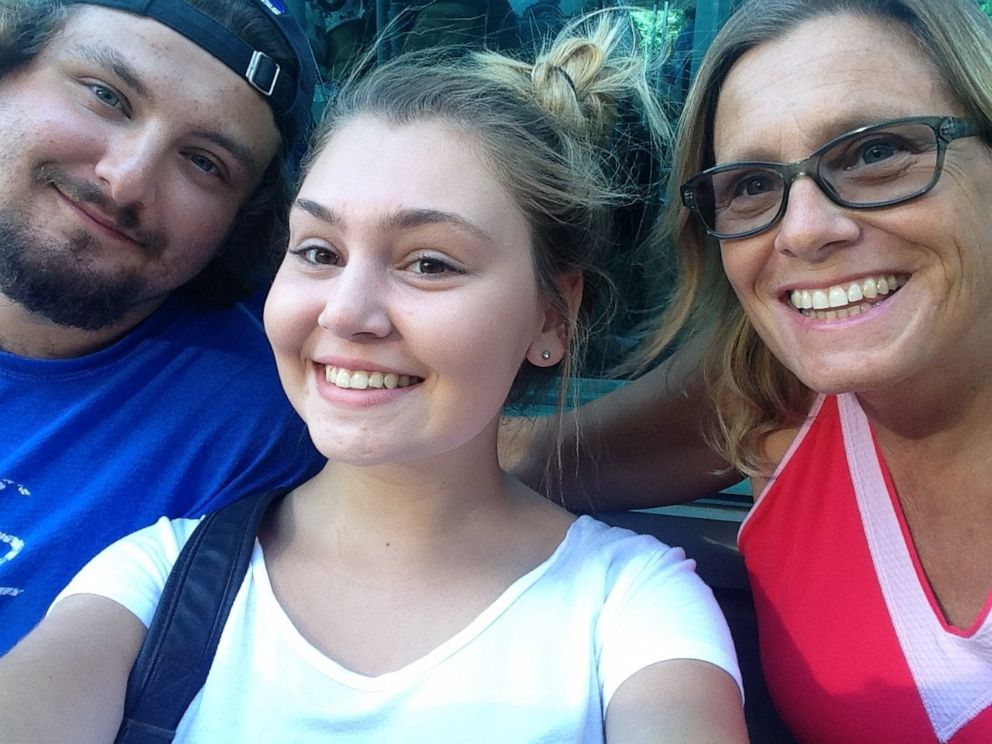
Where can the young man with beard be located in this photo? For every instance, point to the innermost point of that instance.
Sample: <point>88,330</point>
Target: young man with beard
<point>142,193</point>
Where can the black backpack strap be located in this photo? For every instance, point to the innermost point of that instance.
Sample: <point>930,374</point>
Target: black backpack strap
<point>179,647</point>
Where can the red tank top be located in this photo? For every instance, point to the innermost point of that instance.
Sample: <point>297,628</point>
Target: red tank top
<point>853,644</point>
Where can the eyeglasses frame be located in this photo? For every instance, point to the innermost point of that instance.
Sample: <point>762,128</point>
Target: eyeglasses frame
<point>946,129</point>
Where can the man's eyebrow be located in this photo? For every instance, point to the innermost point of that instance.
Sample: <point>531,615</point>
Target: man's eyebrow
<point>109,58</point>
<point>240,153</point>
<point>402,219</point>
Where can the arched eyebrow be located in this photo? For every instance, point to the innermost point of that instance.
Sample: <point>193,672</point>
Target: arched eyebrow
<point>408,218</point>
<point>110,59</point>
<point>402,219</point>
<point>316,210</point>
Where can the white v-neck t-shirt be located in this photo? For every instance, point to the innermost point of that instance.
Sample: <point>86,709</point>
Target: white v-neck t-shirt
<point>540,664</point>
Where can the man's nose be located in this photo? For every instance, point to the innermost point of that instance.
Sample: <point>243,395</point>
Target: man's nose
<point>130,168</point>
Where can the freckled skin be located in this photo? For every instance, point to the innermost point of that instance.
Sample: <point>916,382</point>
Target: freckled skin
<point>783,100</point>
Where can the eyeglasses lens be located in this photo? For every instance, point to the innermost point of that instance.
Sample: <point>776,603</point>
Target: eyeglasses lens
<point>878,167</point>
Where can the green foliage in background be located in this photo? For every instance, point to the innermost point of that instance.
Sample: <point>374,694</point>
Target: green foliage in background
<point>658,28</point>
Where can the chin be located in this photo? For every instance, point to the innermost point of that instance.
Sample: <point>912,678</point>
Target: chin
<point>846,380</point>
<point>360,452</point>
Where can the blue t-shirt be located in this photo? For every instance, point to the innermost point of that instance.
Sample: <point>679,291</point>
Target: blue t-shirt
<point>181,416</point>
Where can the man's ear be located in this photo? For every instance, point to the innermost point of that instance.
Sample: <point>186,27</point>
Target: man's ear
<point>551,344</point>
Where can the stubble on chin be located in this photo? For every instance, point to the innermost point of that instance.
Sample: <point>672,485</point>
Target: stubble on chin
<point>57,279</point>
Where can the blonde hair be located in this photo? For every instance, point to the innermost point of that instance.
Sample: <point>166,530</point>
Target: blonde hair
<point>754,393</point>
<point>560,133</point>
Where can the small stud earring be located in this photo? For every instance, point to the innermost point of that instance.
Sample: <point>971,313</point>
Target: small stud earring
<point>545,354</point>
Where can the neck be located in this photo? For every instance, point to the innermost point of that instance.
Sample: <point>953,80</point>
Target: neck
<point>28,334</point>
<point>420,508</point>
<point>949,411</point>
<point>412,499</point>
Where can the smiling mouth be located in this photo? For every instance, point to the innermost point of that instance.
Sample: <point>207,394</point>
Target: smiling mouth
<point>845,300</point>
<point>106,223</point>
<point>359,379</point>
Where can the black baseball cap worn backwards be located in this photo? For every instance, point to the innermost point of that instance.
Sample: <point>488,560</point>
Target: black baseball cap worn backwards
<point>290,96</point>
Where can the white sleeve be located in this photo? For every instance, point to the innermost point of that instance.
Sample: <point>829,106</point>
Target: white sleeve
<point>133,570</point>
<point>659,610</point>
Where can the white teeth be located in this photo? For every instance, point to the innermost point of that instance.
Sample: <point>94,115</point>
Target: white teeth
<point>839,296</point>
<point>362,380</point>
<point>359,380</point>
<point>843,312</point>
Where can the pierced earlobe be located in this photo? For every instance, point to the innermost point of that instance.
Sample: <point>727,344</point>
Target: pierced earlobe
<point>544,357</point>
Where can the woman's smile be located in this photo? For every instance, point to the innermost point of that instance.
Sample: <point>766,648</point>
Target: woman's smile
<point>846,299</point>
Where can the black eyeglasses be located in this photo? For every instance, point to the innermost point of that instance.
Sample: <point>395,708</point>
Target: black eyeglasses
<point>873,166</point>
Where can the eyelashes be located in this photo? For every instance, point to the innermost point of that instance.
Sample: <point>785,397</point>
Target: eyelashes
<point>422,265</point>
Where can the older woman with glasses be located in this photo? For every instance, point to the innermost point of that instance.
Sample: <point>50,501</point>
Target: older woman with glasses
<point>835,256</point>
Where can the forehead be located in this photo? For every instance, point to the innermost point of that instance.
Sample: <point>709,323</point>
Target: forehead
<point>369,167</point>
<point>169,73</point>
<point>784,98</point>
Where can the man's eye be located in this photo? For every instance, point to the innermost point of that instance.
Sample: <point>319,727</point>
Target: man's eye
<point>204,163</point>
<point>106,95</point>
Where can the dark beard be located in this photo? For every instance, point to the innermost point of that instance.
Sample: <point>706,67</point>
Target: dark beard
<point>55,281</point>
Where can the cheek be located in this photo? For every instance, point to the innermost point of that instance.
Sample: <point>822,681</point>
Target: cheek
<point>485,341</point>
<point>50,135</point>
<point>289,319</point>
<point>742,272</point>
<point>968,227</point>
<point>193,217</point>
<point>288,326</point>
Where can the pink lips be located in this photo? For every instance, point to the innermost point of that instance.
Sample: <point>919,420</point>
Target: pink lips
<point>356,398</point>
